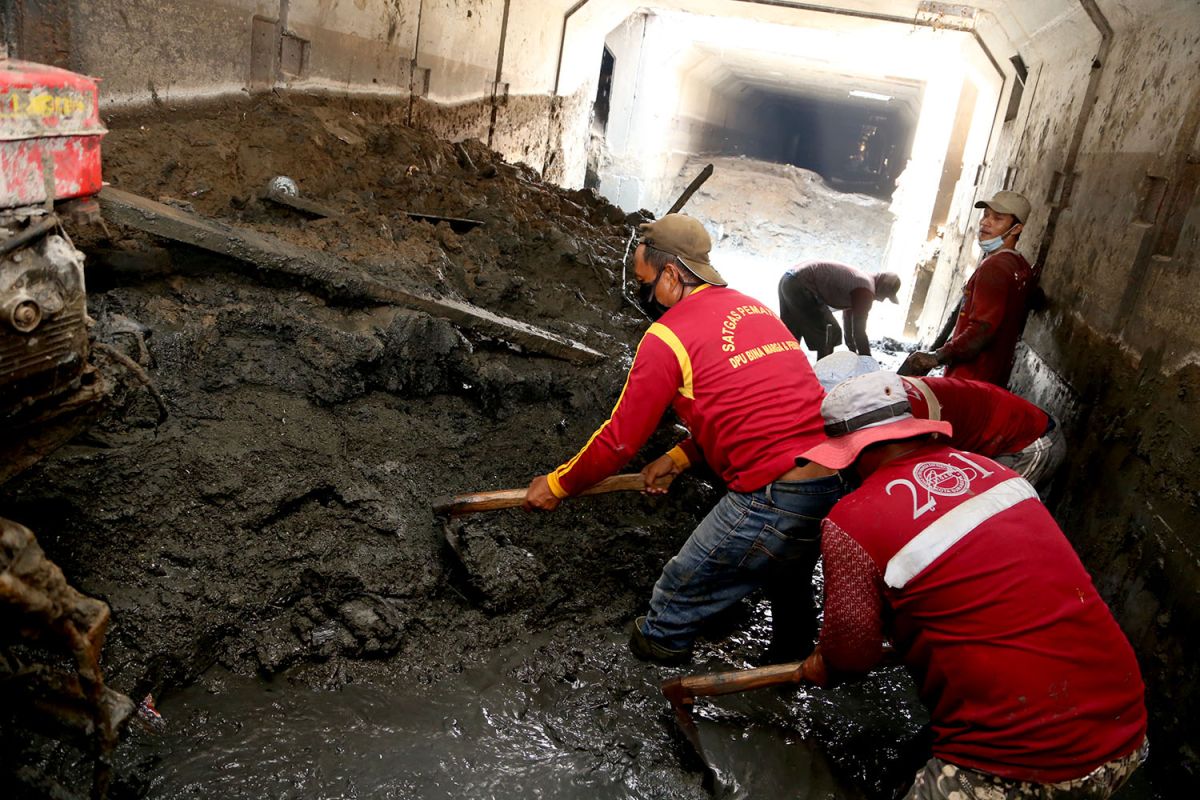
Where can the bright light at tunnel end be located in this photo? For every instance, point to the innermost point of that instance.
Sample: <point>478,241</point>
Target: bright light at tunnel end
<point>870,95</point>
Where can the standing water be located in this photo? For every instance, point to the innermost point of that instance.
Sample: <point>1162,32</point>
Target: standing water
<point>511,730</point>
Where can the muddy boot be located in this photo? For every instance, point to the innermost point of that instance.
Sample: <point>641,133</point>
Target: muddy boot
<point>648,650</point>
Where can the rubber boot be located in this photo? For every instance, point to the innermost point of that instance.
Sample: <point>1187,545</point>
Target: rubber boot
<point>647,649</point>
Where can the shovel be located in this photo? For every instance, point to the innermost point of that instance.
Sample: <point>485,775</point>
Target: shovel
<point>683,690</point>
<point>459,504</point>
<point>445,509</point>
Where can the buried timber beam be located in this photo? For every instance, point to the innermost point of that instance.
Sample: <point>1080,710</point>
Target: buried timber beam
<point>334,277</point>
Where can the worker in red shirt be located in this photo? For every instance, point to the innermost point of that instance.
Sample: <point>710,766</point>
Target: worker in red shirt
<point>994,301</point>
<point>986,419</point>
<point>1032,688</point>
<point>739,381</point>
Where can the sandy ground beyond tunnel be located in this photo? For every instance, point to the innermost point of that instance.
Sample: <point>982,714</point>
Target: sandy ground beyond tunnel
<point>278,525</point>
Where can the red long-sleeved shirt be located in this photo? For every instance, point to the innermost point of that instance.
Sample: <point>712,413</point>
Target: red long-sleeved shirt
<point>736,377</point>
<point>986,419</point>
<point>1023,668</point>
<point>989,323</point>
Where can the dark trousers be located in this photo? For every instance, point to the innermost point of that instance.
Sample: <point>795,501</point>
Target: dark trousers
<point>807,317</point>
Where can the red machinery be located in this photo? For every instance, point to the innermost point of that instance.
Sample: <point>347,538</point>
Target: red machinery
<point>49,169</point>
<point>50,135</point>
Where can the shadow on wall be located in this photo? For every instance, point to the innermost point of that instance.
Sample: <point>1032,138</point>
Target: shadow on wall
<point>1127,498</point>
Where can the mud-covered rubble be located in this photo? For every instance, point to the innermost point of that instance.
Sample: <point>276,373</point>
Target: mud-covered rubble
<point>279,522</point>
<point>280,517</point>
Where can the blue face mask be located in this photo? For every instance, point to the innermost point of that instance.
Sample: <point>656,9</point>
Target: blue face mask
<point>989,246</point>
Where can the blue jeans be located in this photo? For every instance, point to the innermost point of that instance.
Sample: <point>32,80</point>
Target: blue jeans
<point>768,539</point>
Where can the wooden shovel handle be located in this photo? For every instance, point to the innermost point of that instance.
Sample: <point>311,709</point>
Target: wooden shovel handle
<point>511,498</point>
<point>682,689</point>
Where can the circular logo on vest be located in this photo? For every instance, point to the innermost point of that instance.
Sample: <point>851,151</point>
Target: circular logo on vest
<point>938,477</point>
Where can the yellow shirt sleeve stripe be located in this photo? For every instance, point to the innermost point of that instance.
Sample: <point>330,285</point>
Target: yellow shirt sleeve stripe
<point>555,486</point>
<point>679,457</point>
<point>669,338</point>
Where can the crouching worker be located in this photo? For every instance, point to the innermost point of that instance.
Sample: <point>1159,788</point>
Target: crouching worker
<point>1032,689</point>
<point>986,419</point>
<point>748,396</point>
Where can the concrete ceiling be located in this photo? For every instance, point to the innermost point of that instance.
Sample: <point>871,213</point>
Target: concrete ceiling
<point>804,79</point>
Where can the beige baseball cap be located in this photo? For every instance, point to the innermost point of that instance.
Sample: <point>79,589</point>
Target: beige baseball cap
<point>685,238</point>
<point>1008,203</point>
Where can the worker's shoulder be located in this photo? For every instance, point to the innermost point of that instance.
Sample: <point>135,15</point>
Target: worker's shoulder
<point>1006,263</point>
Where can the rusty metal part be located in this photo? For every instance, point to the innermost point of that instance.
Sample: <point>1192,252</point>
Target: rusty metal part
<point>43,319</point>
<point>39,605</point>
<point>138,372</point>
<point>21,312</point>
<point>29,437</point>
<point>682,706</point>
<point>30,234</point>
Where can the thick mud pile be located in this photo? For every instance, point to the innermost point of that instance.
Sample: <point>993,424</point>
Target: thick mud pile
<point>279,522</point>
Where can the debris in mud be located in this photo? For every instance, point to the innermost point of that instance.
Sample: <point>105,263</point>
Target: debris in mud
<point>501,572</point>
<point>277,525</point>
<point>148,716</point>
<point>37,605</point>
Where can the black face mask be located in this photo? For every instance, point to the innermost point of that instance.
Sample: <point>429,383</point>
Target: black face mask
<point>646,300</point>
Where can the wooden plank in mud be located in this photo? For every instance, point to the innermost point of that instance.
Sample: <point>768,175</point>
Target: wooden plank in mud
<point>302,204</point>
<point>333,277</point>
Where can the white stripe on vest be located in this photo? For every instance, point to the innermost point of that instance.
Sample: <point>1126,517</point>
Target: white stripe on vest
<point>925,548</point>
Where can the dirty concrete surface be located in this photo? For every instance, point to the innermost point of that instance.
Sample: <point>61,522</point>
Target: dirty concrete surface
<point>276,577</point>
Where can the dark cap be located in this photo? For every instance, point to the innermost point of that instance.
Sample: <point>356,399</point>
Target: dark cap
<point>887,286</point>
<point>685,238</point>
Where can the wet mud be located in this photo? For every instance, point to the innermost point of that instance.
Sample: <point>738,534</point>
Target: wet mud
<point>276,576</point>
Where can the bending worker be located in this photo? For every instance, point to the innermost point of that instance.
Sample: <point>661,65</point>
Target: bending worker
<point>747,394</point>
<point>986,419</point>
<point>809,290</point>
<point>994,301</point>
<point>1033,691</point>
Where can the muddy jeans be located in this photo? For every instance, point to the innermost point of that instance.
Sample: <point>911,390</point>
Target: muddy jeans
<point>941,780</point>
<point>770,539</point>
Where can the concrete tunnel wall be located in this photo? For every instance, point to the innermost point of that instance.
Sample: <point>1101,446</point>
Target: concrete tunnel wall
<point>1117,353</point>
<point>1105,143</point>
<point>666,103</point>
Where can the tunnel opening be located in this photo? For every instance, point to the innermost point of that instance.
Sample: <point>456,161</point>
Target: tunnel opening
<point>844,139</point>
<point>852,148</point>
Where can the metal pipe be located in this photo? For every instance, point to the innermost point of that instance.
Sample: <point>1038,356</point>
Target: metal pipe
<point>499,72</point>
<point>49,223</point>
<point>412,66</point>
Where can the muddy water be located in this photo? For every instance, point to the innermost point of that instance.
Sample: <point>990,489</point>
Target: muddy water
<point>494,731</point>
<point>519,727</point>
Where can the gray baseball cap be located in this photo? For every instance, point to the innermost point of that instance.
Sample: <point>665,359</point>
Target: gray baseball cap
<point>1008,203</point>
